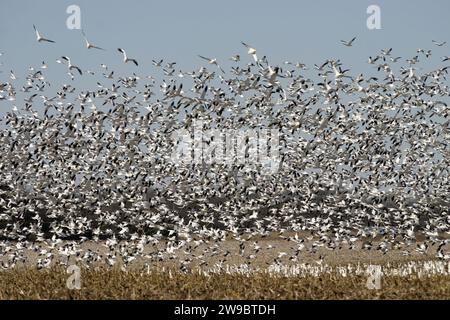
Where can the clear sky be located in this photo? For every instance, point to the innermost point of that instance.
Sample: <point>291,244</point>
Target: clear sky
<point>305,31</point>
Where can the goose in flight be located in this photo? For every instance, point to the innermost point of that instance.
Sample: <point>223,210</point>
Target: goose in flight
<point>439,44</point>
<point>88,44</point>
<point>170,65</point>
<point>30,99</point>
<point>427,53</point>
<point>348,43</point>
<point>338,72</point>
<point>395,59</point>
<point>235,58</point>
<point>40,38</point>
<point>251,51</point>
<point>125,58</point>
<point>320,68</point>
<point>157,63</point>
<point>70,66</point>
<point>212,61</point>
<point>386,52</point>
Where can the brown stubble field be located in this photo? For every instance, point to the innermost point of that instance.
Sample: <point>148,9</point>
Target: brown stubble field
<point>114,283</point>
<point>257,281</point>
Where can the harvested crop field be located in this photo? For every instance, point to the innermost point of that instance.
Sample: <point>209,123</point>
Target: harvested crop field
<point>116,284</point>
<point>313,274</point>
<point>412,280</point>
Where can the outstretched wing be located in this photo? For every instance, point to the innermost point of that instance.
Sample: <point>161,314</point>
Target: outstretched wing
<point>36,31</point>
<point>95,47</point>
<point>207,59</point>
<point>88,44</point>
<point>220,68</point>
<point>79,70</point>
<point>47,40</point>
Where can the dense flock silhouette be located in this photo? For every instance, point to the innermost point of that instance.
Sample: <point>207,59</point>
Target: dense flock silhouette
<point>361,157</point>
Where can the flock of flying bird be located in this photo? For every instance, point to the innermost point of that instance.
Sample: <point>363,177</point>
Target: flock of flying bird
<point>364,160</point>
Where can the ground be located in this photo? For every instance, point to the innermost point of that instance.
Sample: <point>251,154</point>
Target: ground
<point>324,274</point>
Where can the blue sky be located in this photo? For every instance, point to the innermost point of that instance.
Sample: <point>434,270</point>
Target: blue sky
<point>306,31</point>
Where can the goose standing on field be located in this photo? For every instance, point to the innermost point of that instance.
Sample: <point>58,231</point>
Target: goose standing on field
<point>40,38</point>
<point>125,58</point>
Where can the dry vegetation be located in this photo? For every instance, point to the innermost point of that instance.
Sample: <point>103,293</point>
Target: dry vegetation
<point>116,284</point>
